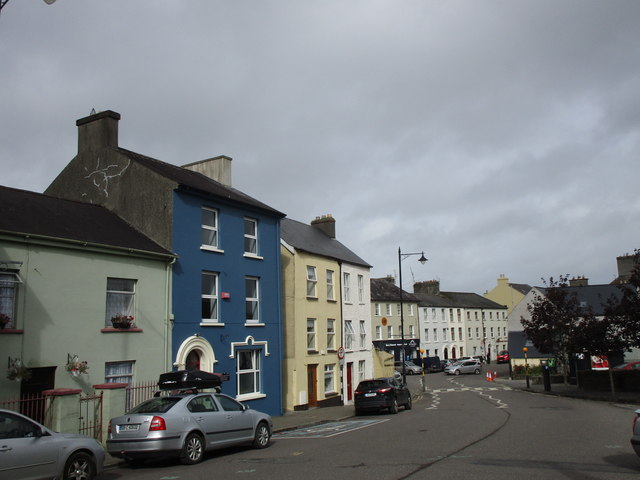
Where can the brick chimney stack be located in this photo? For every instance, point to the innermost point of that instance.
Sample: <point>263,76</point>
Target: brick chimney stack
<point>430,287</point>
<point>98,131</point>
<point>579,282</point>
<point>217,168</point>
<point>326,224</point>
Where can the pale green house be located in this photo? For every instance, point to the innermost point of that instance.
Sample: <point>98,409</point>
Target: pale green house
<point>66,269</point>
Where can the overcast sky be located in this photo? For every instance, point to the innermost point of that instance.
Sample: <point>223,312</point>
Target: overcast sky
<point>500,137</point>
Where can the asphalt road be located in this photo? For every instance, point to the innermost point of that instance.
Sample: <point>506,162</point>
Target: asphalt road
<point>463,428</point>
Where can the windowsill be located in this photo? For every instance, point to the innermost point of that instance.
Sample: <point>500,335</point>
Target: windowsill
<point>118,330</point>
<point>311,298</point>
<point>254,324</point>
<point>211,249</point>
<point>253,256</point>
<point>312,352</point>
<point>250,396</point>
<point>211,324</point>
<point>332,300</point>
<point>330,394</point>
<point>11,330</point>
<point>331,350</point>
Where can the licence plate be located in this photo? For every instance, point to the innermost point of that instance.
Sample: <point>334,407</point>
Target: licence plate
<point>128,428</point>
<point>369,394</point>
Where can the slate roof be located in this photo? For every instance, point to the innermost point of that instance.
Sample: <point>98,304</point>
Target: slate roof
<point>457,300</point>
<point>310,239</point>
<point>30,213</point>
<point>523,288</point>
<point>384,290</point>
<point>197,181</point>
<point>594,296</point>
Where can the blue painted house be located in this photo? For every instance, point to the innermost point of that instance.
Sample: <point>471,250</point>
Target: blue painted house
<point>226,298</point>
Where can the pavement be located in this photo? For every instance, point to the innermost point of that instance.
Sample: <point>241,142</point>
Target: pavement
<point>320,415</point>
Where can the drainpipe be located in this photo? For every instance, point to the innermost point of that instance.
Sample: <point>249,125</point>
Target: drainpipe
<point>343,385</point>
<point>168,316</point>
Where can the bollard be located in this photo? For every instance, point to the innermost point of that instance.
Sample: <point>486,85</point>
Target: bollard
<point>546,377</point>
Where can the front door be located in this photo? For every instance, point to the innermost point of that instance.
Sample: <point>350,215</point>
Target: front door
<point>312,382</point>
<point>349,381</point>
<point>33,404</point>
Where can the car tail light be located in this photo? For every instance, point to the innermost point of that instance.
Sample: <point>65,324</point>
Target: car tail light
<point>384,390</point>
<point>157,423</point>
<point>357,392</point>
<point>635,420</point>
<point>109,429</point>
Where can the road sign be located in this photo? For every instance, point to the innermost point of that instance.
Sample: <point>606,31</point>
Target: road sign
<point>341,353</point>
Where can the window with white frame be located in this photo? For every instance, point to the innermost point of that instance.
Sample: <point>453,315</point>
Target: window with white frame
<point>468,315</point>
<point>444,334</point>
<point>363,335</point>
<point>209,228</point>
<point>312,281</point>
<point>412,331</point>
<point>252,299</point>
<point>331,334</point>
<point>426,334</point>
<point>398,309</point>
<point>329,378</point>
<point>458,315</point>
<point>389,331</point>
<point>311,335</point>
<point>477,332</point>
<point>435,334</point>
<point>346,286</point>
<point>118,372</point>
<point>410,307</point>
<point>120,299</point>
<point>248,371</point>
<point>453,334</point>
<point>492,336</point>
<point>9,282</point>
<point>360,288</point>
<point>251,236</point>
<point>460,334</point>
<point>349,335</point>
<point>378,310</point>
<point>330,290</point>
<point>378,332</point>
<point>470,333</point>
<point>361,370</point>
<point>388,309</point>
<point>209,297</point>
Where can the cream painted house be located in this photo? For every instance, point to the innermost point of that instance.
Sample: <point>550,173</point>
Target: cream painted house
<point>325,294</point>
<point>509,294</point>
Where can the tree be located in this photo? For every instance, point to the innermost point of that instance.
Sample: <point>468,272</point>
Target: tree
<point>625,310</point>
<point>556,320</point>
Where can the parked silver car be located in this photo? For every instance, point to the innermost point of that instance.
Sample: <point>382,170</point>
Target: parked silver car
<point>186,425</point>
<point>29,450</point>
<point>467,366</point>
<point>410,368</point>
<point>635,438</point>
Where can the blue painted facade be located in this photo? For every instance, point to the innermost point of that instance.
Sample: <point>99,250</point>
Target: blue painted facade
<point>232,267</point>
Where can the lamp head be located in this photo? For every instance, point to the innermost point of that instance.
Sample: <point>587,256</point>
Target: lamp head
<point>422,259</point>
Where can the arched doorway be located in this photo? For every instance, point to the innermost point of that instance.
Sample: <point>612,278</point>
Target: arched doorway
<point>195,352</point>
<point>453,352</point>
<point>446,353</point>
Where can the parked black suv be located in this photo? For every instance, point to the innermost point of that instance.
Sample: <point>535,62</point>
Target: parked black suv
<point>381,393</point>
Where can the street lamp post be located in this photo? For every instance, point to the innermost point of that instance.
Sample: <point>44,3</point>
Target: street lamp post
<point>526,366</point>
<point>422,260</point>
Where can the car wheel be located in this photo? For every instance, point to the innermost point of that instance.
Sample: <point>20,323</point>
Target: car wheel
<point>477,371</point>
<point>193,449</point>
<point>457,372</point>
<point>262,436</point>
<point>80,466</point>
<point>409,404</point>
<point>394,407</point>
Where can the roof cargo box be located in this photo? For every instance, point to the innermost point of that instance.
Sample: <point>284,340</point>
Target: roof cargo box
<point>189,379</point>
